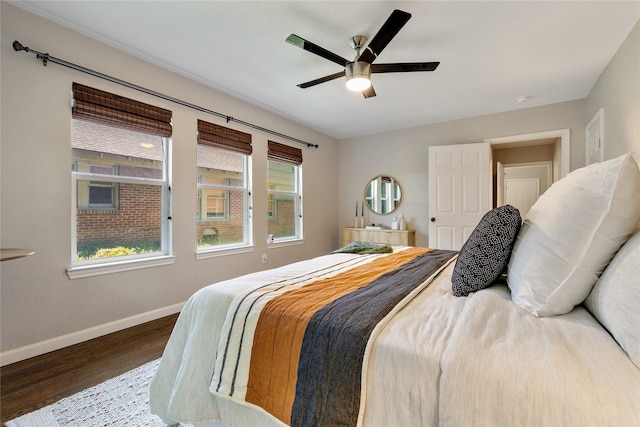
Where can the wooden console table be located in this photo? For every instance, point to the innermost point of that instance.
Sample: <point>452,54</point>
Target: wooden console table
<point>385,236</point>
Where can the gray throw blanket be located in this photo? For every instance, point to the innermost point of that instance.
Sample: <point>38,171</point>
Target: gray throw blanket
<point>361,248</point>
<point>330,367</point>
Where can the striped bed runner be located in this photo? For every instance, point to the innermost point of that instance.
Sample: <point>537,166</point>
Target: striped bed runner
<point>296,347</point>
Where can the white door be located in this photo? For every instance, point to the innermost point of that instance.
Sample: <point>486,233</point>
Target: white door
<point>459,192</point>
<point>524,182</point>
<point>522,193</point>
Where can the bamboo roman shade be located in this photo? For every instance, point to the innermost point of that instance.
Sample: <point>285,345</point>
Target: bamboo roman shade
<point>224,137</point>
<point>113,110</point>
<point>284,153</point>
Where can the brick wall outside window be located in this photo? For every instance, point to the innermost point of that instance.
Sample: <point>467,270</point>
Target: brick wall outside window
<point>137,219</point>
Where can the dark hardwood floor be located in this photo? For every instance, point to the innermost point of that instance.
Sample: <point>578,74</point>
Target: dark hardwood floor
<point>31,384</point>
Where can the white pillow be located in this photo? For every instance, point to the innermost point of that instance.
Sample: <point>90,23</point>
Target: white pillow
<point>570,235</point>
<point>615,299</point>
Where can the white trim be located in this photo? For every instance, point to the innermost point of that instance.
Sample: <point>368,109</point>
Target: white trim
<point>296,193</point>
<point>83,176</point>
<point>284,243</point>
<point>595,124</point>
<point>499,184</point>
<point>565,144</point>
<point>213,253</point>
<point>42,347</point>
<point>82,271</point>
<point>547,163</point>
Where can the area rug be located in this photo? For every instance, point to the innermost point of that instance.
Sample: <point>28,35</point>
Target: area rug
<point>120,401</point>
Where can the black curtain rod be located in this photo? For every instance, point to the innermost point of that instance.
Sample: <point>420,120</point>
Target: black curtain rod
<point>45,58</point>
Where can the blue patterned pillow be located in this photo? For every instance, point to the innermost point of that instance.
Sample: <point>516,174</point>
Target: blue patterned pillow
<point>484,257</point>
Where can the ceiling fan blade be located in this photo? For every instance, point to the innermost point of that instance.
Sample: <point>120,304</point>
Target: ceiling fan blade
<point>404,67</point>
<point>369,93</point>
<point>315,49</point>
<point>321,80</point>
<point>388,31</point>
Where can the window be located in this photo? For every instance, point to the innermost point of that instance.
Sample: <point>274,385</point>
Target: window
<point>120,174</point>
<point>213,204</point>
<point>284,192</point>
<point>103,194</point>
<point>94,194</point>
<point>223,187</point>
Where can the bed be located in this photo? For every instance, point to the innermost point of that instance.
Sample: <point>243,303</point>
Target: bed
<point>424,337</point>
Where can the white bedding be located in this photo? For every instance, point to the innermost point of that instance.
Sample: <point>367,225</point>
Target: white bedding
<point>443,360</point>
<point>180,390</point>
<point>504,366</point>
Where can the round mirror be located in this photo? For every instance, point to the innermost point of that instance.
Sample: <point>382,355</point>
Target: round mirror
<point>383,194</point>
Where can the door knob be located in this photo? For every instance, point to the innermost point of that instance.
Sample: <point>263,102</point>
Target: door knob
<point>433,219</point>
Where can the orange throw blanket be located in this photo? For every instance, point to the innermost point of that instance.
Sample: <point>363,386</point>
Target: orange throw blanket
<point>278,331</point>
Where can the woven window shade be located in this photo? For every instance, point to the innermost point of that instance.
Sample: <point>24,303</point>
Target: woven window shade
<point>223,137</point>
<point>284,153</point>
<point>113,110</point>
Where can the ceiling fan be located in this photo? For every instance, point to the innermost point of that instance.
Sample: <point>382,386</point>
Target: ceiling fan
<point>358,72</point>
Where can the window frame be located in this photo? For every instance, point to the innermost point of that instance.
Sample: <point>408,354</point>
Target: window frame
<point>113,195</point>
<point>247,217</point>
<point>86,268</point>
<point>225,189</point>
<point>91,105</point>
<point>272,206</point>
<point>296,193</point>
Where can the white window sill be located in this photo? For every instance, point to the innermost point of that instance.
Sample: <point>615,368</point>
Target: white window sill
<point>285,243</point>
<point>82,271</point>
<point>213,253</point>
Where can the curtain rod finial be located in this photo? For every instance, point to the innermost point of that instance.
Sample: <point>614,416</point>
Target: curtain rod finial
<point>17,46</point>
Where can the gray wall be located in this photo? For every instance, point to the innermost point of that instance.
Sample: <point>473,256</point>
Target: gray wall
<point>403,154</point>
<point>618,92</point>
<point>39,301</point>
<point>43,309</point>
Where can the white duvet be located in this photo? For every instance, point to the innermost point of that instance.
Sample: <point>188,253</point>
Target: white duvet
<point>442,360</point>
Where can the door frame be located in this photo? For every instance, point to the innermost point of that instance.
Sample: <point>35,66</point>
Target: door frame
<point>561,162</point>
<point>500,185</point>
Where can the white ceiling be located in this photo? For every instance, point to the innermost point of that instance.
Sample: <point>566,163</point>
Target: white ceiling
<point>490,52</point>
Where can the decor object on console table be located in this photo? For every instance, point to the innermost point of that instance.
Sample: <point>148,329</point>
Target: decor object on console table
<point>384,236</point>
<point>394,224</point>
<point>402,223</point>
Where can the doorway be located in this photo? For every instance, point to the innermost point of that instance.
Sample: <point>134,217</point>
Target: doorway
<point>541,155</point>
<point>463,179</point>
<point>520,184</point>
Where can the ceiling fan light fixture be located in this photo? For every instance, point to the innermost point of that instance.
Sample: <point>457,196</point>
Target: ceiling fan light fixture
<point>358,76</point>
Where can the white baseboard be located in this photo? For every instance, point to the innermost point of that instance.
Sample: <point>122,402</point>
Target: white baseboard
<point>32,350</point>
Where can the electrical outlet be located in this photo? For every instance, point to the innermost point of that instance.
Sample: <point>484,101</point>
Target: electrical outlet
<point>264,258</point>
